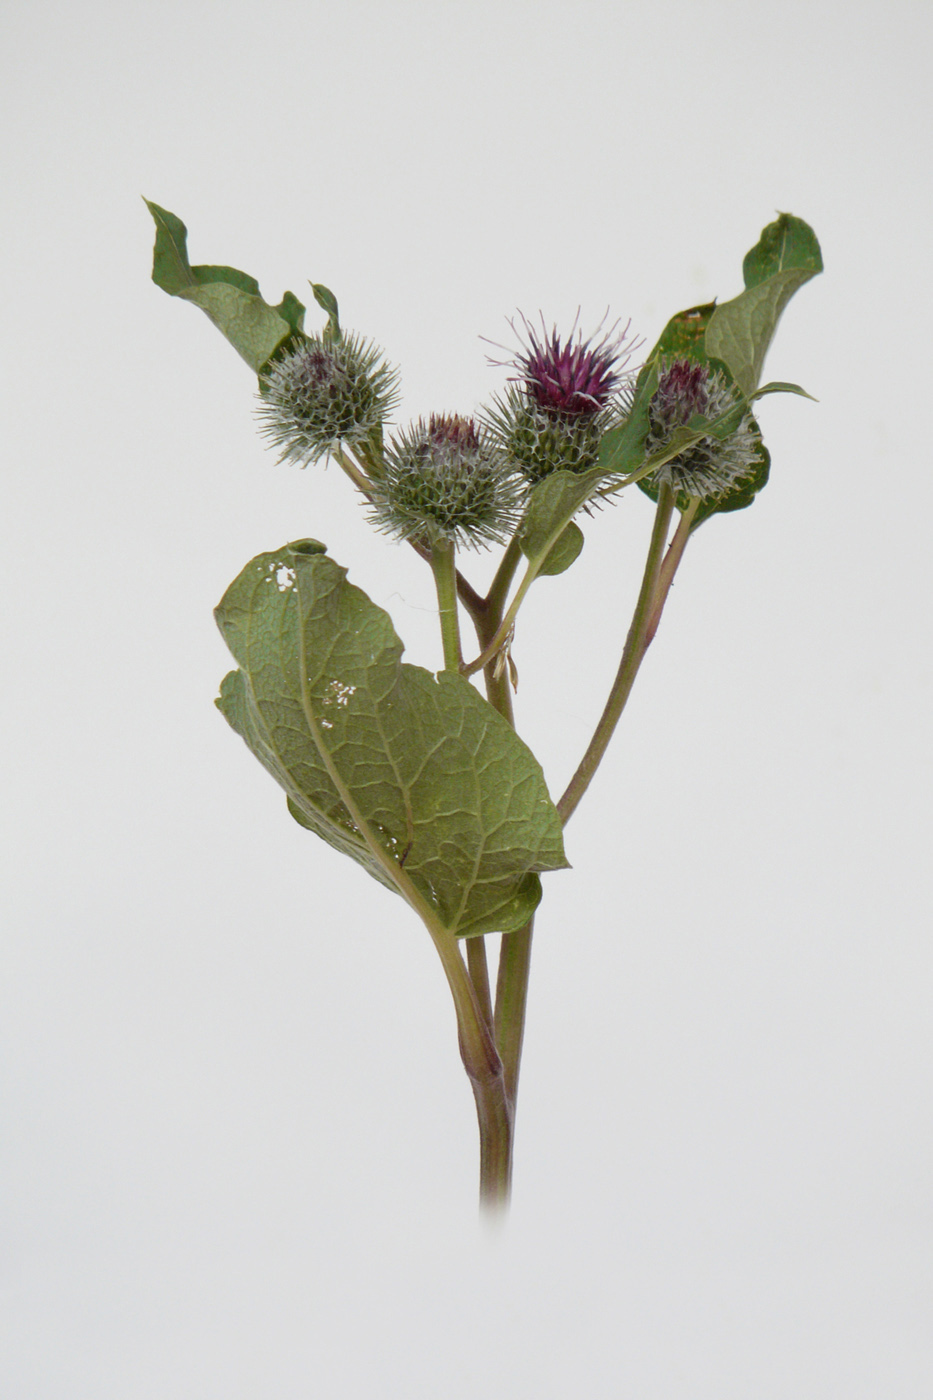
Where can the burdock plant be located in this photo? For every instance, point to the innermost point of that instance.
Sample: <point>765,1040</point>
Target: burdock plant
<point>419,776</point>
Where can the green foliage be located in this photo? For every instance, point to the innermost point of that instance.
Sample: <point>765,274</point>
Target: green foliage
<point>732,338</point>
<point>552,504</point>
<point>231,299</point>
<point>327,302</point>
<point>564,551</point>
<point>415,776</point>
<point>739,332</point>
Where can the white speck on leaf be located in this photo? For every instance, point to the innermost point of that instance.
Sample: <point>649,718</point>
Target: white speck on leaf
<point>338,694</point>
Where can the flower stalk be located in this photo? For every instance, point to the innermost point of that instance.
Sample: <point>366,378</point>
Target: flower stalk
<point>443,557</point>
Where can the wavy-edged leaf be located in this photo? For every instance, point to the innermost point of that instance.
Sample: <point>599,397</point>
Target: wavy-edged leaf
<point>231,299</point>
<point>413,775</point>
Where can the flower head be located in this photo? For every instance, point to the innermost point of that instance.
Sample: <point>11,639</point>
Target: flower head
<point>446,480</point>
<point>711,466</point>
<point>573,378</point>
<point>562,396</point>
<point>323,393</point>
<point>682,391</point>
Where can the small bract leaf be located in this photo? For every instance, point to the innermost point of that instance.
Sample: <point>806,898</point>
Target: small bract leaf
<point>622,449</point>
<point>413,775</point>
<point>780,386</point>
<point>552,504</point>
<point>328,302</point>
<point>564,551</point>
<point>230,298</point>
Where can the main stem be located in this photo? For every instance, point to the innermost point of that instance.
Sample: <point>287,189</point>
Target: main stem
<point>491,1041</point>
<point>484,1069</point>
<point>515,951</point>
<point>508,1020</point>
<point>482,1063</point>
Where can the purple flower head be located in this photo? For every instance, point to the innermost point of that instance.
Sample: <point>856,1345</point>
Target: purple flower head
<point>572,378</point>
<point>682,391</point>
<point>451,430</point>
<point>711,466</point>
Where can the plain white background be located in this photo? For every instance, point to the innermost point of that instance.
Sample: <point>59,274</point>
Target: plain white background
<point>239,1149</point>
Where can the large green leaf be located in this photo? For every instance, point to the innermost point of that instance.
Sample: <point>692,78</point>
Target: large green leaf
<point>739,332</point>
<point>230,298</point>
<point>415,776</point>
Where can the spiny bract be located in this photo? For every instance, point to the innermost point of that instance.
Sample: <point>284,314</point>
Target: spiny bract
<point>323,393</point>
<point>562,398</point>
<point>712,466</point>
<point>447,480</point>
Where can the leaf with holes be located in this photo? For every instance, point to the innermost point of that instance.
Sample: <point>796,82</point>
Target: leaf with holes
<point>413,775</point>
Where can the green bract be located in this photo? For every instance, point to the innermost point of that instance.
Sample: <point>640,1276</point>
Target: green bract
<point>540,442</point>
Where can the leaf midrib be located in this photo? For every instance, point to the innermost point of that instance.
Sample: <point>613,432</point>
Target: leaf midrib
<point>395,872</point>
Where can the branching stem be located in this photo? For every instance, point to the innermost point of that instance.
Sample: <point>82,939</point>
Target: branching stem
<point>353,470</point>
<point>669,568</point>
